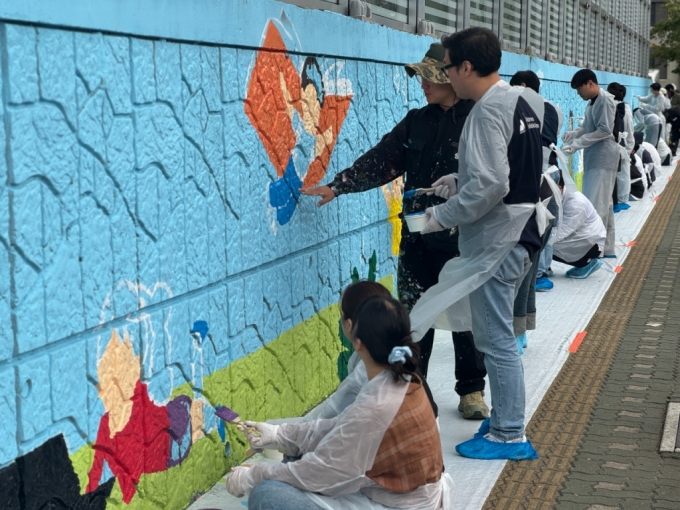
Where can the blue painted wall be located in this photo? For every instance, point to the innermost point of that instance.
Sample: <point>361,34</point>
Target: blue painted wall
<point>134,191</point>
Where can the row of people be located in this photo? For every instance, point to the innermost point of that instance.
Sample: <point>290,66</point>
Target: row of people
<point>488,149</point>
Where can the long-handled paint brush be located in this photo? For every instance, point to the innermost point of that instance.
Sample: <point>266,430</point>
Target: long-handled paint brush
<point>232,417</point>
<point>417,192</point>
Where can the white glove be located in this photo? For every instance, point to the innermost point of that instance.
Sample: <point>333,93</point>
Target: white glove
<point>242,480</point>
<point>446,186</point>
<point>568,149</point>
<point>432,224</point>
<point>262,435</point>
<point>568,137</point>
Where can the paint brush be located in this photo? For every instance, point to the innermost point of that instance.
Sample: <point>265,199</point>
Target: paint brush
<point>232,417</point>
<point>417,192</point>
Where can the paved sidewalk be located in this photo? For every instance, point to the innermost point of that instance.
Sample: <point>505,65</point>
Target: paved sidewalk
<point>599,428</point>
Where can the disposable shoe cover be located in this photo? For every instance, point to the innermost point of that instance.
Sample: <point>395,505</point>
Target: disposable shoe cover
<point>481,448</point>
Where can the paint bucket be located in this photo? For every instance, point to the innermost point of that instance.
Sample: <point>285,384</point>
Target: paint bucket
<point>272,454</point>
<point>416,221</point>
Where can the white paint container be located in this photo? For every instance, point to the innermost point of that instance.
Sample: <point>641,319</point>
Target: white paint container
<point>272,454</point>
<point>416,221</point>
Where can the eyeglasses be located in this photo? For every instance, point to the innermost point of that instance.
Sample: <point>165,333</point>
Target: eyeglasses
<point>445,69</point>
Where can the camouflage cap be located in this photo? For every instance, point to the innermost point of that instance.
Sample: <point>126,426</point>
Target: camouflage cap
<point>429,67</point>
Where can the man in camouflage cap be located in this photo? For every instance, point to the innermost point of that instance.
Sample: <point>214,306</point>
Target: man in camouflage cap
<point>423,148</point>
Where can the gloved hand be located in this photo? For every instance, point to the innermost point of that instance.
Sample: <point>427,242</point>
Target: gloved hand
<point>242,480</point>
<point>432,224</point>
<point>446,186</point>
<point>568,149</point>
<point>262,435</point>
<point>568,137</point>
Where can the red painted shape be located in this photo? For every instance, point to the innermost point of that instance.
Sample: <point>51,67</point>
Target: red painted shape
<point>266,104</point>
<point>631,244</point>
<point>332,115</point>
<point>577,341</point>
<point>618,269</point>
<point>656,199</point>
<point>143,446</point>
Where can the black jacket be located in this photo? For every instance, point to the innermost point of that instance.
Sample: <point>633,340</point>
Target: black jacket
<point>423,147</point>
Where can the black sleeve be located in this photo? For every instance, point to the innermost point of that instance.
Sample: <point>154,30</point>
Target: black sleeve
<point>380,165</point>
<point>550,124</point>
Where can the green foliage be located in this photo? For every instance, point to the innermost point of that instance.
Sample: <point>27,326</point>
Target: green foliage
<point>346,353</point>
<point>667,35</point>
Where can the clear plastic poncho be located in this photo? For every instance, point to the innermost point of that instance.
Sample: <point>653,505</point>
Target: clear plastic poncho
<point>488,228</point>
<point>581,227</point>
<point>623,177</point>
<point>337,453</point>
<point>653,102</point>
<point>596,135</point>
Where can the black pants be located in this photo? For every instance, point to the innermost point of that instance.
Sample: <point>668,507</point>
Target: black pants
<point>593,253</point>
<point>419,267</point>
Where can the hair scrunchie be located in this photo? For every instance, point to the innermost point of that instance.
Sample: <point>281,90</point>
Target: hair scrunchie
<point>399,354</point>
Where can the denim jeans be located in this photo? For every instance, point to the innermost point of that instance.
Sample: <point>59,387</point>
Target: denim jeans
<point>273,495</point>
<point>491,306</point>
<point>545,260</point>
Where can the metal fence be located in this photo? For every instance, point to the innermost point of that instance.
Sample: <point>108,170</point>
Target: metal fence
<point>609,35</point>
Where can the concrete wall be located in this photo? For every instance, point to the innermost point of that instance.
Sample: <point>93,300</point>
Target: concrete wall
<point>155,261</point>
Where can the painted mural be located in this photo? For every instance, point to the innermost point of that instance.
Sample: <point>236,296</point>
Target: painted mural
<point>297,116</point>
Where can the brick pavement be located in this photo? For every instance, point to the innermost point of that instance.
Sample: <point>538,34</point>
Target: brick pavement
<point>599,426</point>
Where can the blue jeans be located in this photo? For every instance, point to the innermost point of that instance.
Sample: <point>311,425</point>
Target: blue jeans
<point>273,495</point>
<point>491,306</point>
<point>545,260</point>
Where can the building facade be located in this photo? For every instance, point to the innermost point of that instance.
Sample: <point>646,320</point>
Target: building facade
<point>608,35</point>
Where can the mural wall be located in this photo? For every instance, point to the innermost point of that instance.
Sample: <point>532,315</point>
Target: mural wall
<point>156,258</point>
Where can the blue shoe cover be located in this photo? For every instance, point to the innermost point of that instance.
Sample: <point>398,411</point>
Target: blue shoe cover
<point>521,343</point>
<point>482,448</point>
<point>484,428</point>
<point>585,272</point>
<point>544,285</point>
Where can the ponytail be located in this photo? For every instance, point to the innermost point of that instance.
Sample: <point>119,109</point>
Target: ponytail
<point>383,326</point>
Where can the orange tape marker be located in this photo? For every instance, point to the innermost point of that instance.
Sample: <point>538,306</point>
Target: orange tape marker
<point>656,198</point>
<point>618,269</point>
<point>631,244</point>
<point>577,342</point>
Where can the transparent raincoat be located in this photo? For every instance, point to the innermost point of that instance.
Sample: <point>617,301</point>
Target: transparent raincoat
<point>581,227</point>
<point>488,228</point>
<point>337,453</point>
<point>623,176</point>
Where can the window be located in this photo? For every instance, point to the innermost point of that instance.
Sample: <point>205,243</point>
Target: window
<point>535,23</point>
<point>569,30</point>
<point>602,45</point>
<point>442,14</point>
<point>392,9</point>
<point>481,13</point>
<point>512,22</point>
<point>554,27</point>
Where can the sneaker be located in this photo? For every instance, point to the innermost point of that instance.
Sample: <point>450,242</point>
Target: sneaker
<point>482,448</point>
<point>610,256</point>
<point>544,285</point>
<point>473,406</point>
<point>585,272</point>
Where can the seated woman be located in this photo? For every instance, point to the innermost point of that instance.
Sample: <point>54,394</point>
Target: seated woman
<point>349,388</point>
<point>382,451</point>
<point>580,236</point>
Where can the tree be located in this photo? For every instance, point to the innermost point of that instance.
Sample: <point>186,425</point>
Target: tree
<point>667,34</point>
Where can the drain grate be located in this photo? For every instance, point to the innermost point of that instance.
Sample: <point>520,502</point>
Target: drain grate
<point>670,441</point>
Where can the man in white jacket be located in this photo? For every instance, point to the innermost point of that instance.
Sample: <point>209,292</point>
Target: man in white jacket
<point>579,239</point>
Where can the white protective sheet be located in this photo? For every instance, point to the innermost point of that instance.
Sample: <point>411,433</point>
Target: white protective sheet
<point>543,359</point>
